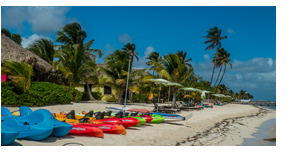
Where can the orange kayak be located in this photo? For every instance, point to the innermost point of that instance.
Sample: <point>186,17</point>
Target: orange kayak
<point>106,128</point>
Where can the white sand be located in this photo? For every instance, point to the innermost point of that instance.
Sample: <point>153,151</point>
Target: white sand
<point>211,126</point>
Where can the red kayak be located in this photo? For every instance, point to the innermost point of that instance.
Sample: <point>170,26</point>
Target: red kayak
<point>126,122</point>
<point>106,128</point>
<point>147,118</point>
<point>86,130</point>
<point>107,121</point>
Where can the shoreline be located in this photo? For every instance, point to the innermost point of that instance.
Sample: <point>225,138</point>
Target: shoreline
<point>223,134</point>
<point>219,126</point>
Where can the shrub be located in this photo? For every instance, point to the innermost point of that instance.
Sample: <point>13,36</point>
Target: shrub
<point>77,95</point>
<point>40,94</point>
<point>8,97</point>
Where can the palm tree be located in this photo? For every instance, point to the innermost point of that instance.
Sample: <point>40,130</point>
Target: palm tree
<point>153,56</point>
<point>72,34</point>
<point>15,37</point>
<point>116,72</point>
<point>19,72</point>
<point>214,38</point>
<point>130,50</point>
<point>44,48</point>
<point>171,67</point>
<point>225,60</point>
<point>183,55</point>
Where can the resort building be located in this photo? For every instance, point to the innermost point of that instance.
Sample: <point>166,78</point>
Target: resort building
<point>109,93</point>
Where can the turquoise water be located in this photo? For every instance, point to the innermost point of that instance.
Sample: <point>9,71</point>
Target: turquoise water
<point>265,131</point>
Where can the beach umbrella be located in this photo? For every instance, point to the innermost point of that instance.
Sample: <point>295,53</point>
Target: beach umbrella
<point>191,89</point>
<point>171,84</point>
<point>158,81</point>
<point>205,91</point>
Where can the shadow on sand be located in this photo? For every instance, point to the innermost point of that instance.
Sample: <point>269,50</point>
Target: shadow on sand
<point>51,139</point>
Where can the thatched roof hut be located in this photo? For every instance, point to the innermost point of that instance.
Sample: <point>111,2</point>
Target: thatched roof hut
<point>12,50</point>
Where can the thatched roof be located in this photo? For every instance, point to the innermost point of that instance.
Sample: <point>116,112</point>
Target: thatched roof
<point>12,50</point>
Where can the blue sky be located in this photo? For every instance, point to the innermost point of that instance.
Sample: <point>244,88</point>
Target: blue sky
<point>251,35</point>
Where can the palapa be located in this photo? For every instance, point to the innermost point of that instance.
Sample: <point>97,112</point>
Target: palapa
<point>10,50</point>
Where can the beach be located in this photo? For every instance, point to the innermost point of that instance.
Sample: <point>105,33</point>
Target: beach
<point>226,125</point>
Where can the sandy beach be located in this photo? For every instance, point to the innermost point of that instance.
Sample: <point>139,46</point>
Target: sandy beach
<point>219,126</point>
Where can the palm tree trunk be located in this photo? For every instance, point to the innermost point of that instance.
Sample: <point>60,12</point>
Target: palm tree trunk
<point>121,100</point>
<point>213,68</point>
<point>217,80</point>
<point>174,97</point>
<point>169,95</point>
<point>222,75</point>
<point>131,96</point>
<point>140,97</point>
<point>89,91</point>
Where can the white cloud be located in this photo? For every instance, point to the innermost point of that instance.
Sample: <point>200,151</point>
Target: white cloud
<point>206,57</point>
<point>257,76</point>
<point>42,19</point>
<point>125,38</point>
<point>27,41</point>
<point>141,64</point>
<point>230,30</point>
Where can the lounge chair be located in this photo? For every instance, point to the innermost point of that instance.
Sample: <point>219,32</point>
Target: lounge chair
<point>165,109</point>
<point>181,105</point>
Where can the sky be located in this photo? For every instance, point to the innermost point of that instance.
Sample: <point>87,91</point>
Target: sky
<point>250,30</point>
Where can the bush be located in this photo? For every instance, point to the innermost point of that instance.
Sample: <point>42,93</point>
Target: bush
<point>97,95</point>
<point>40,94</point>
<point>8,97</point>
<point>77,95</point>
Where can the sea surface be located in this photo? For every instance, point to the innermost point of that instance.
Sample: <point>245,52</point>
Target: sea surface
<point>266,131</point>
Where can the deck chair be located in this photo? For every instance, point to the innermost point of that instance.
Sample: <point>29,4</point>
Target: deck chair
<point>183,106</point>
<point>164,109</point>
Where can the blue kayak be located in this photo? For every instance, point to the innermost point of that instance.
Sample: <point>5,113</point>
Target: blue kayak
<point>44,118</point>
<point>167,115</point>
<point>26,130</point>
<point>8,135</point>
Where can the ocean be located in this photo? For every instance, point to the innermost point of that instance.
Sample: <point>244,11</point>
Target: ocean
<point>266,131</point>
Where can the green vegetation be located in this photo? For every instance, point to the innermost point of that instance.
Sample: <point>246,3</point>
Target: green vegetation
<point>74,63</point>
<point>40,94</point>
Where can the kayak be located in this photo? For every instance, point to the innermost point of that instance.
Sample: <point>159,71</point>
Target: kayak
<point>126,121</point>
<point>26,130</point>
<point>156,118</point>
<point>98,118</point>
<point>116,115</point>
<point>106,128</point>
<point>86,130</point>
<point>43,118</point>
<point>8,135</point>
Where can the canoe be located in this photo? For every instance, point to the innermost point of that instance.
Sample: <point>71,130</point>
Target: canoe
<point>43,118</point>
<point>106,128</point>
<point>86,130</point>
<point>8,135</point>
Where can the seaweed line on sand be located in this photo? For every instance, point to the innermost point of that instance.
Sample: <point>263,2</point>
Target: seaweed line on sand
<point>220,129</point>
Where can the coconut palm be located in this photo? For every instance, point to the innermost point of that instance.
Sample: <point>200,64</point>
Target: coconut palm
<point>44,48</point>
<point>116,72</point>
<point>183,55</point>
<point>214,38</point>
<point>130,50</point>
<point>15,37</point>
<point>153,56</point>
<point>19,72</point>
<point>72,34</point>
<point>171,68</point>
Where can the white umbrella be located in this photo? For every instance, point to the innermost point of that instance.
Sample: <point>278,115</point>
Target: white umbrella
<point>191,89</point>
<point>203,93</point>
<point>159,81</point>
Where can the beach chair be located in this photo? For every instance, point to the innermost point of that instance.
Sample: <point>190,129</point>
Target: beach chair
<point>184,106</point>
<point>165,109</point>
